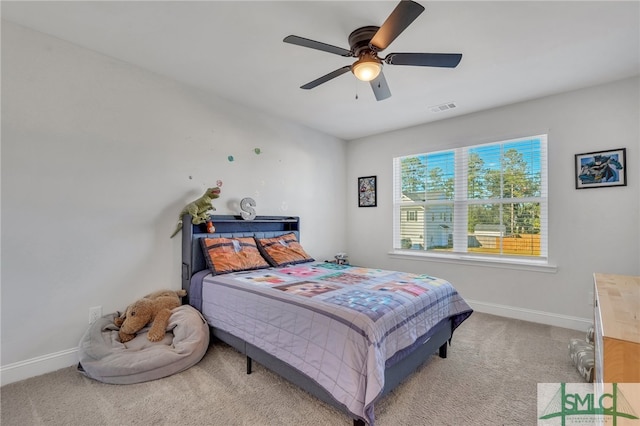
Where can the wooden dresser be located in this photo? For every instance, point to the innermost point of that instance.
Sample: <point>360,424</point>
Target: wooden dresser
<point>617,328</point>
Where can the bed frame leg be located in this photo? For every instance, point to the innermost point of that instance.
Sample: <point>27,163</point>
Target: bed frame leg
<point>442,352</point>
<point>358,422</point>
<point>248,365</point>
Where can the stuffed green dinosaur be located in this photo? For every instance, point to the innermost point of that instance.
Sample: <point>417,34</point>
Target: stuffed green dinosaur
<point>199,208</point>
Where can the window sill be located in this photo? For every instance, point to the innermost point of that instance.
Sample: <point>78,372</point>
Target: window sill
<point>470,260</point>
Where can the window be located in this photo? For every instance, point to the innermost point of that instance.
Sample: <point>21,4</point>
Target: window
<point>484,200</point>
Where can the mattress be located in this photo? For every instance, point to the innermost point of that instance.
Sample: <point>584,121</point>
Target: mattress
<point>340,325</point>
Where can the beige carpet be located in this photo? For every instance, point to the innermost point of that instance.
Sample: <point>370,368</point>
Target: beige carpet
<point>489,378</point>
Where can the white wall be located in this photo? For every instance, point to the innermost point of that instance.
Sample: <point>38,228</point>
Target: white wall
<point>98,159</point>
<point>591,230</point>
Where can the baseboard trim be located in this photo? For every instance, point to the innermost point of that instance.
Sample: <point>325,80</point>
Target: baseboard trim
<point>541,317</point>
<point>47,363</point>
<point>36,366</point>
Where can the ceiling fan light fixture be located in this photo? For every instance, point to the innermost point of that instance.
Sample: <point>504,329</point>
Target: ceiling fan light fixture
<point>366,68</point>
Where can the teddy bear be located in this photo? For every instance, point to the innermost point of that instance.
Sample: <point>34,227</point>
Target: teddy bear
<point>155,307</point>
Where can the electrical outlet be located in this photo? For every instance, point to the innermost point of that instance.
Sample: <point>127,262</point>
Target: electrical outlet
<point>94,313</point>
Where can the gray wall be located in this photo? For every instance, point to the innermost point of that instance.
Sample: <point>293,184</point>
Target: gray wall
<point>590,230</point>
<point>98,159</point>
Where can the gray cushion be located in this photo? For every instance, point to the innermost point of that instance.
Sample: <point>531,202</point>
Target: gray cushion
<point>590,335</point>
<point>581,353</point>
<point>104,358</point>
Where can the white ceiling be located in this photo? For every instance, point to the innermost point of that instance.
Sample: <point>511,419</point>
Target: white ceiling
<point>512,51</point>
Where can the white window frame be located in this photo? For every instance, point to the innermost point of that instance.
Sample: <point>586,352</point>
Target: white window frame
<point>461,203</point>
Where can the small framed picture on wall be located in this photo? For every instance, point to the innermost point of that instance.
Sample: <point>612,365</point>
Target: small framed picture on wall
<point>601,168</point>
<point>367,192</point>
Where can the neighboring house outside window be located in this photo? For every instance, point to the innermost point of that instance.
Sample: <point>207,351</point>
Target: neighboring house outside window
<point>485,200</point>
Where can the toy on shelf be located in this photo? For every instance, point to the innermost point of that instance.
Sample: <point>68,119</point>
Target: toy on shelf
<point>199,209</point>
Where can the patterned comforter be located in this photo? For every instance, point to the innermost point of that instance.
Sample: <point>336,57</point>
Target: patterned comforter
<point>338,324</point>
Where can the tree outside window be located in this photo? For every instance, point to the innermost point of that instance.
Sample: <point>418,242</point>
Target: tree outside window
<point>487,199</point>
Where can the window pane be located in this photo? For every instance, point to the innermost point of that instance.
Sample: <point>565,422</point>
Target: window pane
<point>412,231</point>
<point>414,178</point>
<point>475,175</point>
<point>426,228</point>
<point>506,229</point>
<point>511,170</point>
<point>522,168</point>
<point>440,175</point>
<point>484,172</point>
<point>482,214</point>
<point>521,218</point>
<point>438,224</point>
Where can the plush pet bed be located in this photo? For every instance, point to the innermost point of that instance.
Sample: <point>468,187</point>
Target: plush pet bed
<point>104,358</point>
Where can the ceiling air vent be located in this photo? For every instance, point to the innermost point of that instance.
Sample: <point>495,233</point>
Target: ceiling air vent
<point>443,107</point>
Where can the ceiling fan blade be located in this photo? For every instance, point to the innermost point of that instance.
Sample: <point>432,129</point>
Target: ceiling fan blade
<point>446,60</point>
<point>380,87</point>
<point>401,17</point>
<point>325,78</point>
<point>312,44</point>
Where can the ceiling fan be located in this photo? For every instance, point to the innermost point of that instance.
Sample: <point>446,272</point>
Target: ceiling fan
<point>365,44</point>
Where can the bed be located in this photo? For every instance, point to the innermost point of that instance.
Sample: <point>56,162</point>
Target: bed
<point>346,334</point>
